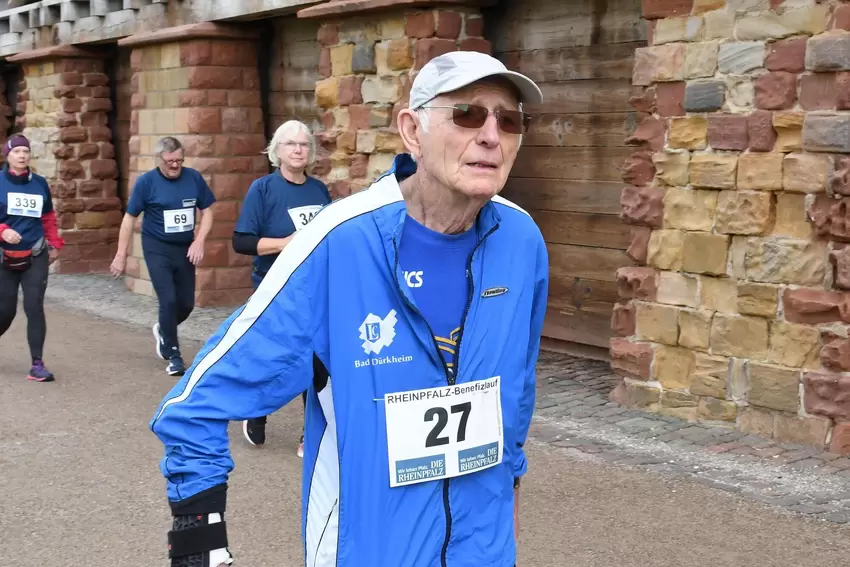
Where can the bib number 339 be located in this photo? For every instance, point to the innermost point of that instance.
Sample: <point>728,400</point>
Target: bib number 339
<point>24,205</point>
<point>443,432</point>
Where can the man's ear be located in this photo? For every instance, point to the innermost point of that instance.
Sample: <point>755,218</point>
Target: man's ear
<point>409,129</point>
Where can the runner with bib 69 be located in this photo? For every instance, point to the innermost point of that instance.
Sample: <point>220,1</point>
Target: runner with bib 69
<point>413,446</point>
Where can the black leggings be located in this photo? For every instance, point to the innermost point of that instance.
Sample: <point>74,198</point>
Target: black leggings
<point>34,283</point>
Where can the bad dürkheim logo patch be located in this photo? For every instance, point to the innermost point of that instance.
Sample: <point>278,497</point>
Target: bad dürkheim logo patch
<point>377,334</point>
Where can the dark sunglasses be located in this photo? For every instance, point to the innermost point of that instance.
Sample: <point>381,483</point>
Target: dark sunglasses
<point>474,116</point>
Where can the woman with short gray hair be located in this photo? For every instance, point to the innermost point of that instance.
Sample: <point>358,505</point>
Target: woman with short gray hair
<point>275,208</point>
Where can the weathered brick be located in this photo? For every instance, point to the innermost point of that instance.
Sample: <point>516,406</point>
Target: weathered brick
<point>744,212</point>
<point>193,53</point>
<point>831,217</point>
<point>835,354</point>
<point>95,79</point>
<point>649,133</point>
<point>757,299</point>
<point>791,218</point>
<point>476,44</point>
<point>688,133</point>
<point>739,336</point>
<point>655,9</point>
<point>420,24</point>
<point>793,345</point>
<point>704,96</point>
<point>705,253</point>
<point>657,323</point>
<point>695,329</point>
<point>786,261</point>
<point>328,34</point>
<point>840,440</point>
<point>787,55</point>
<point>666,249</point>
<point>740,92</point>
<point>701,59</point>
<point>637,283</point>
<point>659,63</point>
<point>810,431</point>
<point>623,319</point>
<point>713,171</point>
<point>669,98</point>
<point>689,209</point>
<point>776,90</point>
<point>806,173</point>
<point>776,24</point>
<point>214,78</point>
<point>204,120</point>
<point>671,168</point>
<point>677,289</point>
<point>815,306</point>
<point>399,54</point>
<point>760,131</point>
<point>631,359</point>
<point>826,132</point>
<point>350,88</point>
<point>740,57</point>
<point>840,180</point>
<point>818,91</point>
<point>828,52</point>
<point>448,24</point>
<point>73,134</point>
<point>677,29</point>
<point>842,91</point>
<point>827,394</point>
<point>638,168</point>
<point>638,244</point>
<point>327,92</point>
<point>363,58</point>
<point>673,367</point>
<point>728,132</point>
<point>789,130</point>
<point>760,171</point>
<point>427,49</point>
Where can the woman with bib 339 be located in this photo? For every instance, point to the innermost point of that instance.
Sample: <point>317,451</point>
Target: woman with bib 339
<point>275,208</point>
<point>29,241</point>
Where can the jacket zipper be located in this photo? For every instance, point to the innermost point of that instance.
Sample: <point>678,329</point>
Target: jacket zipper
<point>450,379</point>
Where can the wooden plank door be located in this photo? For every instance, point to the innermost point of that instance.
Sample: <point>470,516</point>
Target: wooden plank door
<point>568,172</point>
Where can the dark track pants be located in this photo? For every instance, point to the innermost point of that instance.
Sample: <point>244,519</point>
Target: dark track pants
<point>173,279</point>
<point>34,283</point>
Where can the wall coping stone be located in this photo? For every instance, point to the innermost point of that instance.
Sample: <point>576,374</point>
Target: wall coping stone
<point>347,7</point>
<point>55,52</point>
<point>205,30</point>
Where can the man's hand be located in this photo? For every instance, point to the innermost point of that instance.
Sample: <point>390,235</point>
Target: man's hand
<point>196,252</point>
<point>10,236</point>
<point>118,265</point>
<point>52,255</point>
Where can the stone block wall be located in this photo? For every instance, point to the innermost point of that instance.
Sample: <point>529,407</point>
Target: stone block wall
<point>64,105</point>
<point>737,307</point>
<point>367,65</point>
<point>206,93</point>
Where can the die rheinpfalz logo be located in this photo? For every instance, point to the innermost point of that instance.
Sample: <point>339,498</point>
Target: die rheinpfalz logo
<point>377,333</point>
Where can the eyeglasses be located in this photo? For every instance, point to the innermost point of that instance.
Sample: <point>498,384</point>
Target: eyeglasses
<point>474,116</point>
<point>172,162</point>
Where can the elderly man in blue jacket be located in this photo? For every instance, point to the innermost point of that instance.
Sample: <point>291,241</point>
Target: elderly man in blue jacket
<point>424,298</point>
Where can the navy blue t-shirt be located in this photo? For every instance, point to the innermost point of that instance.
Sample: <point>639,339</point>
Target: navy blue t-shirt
<point>276,208</point>
<point>169,204</point>
<point>434,268</point>
<point>23,201</point>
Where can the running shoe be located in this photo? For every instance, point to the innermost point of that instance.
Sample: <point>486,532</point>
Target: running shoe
<point>160,343</point>
<point>39,373</point>
<point>301,447</point>
<point>176,367</point>
<point>254,431</point>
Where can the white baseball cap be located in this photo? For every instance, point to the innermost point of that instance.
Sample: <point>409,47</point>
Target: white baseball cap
<point>457,69</point>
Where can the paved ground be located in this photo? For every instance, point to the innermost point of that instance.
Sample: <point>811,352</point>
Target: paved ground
<point>80,486</point>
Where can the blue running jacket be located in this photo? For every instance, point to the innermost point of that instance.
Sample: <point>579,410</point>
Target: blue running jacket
<point>335,273</point>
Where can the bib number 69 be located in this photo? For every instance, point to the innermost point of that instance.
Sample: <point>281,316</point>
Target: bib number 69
<point>442,417</point>
<point>180,218</point>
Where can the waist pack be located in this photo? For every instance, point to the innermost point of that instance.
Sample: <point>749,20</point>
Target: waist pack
<point>17,260</point>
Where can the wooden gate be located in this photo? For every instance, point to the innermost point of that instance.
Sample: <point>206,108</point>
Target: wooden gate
<point>568,173</point>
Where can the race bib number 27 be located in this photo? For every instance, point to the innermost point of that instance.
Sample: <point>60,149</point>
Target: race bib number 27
<point>443,432</point>
<point>25,205</point>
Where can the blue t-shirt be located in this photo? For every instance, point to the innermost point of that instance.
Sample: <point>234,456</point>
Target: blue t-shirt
<point>434,268</point>
<point>276,208</point>
<point>23,201</point>
<point>169,204</point>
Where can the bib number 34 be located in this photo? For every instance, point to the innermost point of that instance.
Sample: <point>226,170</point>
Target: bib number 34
<point>444,432</point>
